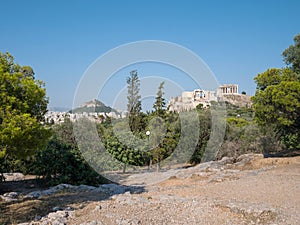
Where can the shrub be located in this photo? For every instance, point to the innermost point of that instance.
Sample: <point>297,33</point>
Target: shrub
<point>60,163</point>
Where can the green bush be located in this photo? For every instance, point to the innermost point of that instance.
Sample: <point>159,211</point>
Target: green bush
<point>60,163</point>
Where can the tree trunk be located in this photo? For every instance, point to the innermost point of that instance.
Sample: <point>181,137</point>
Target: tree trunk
<point>124,168</point>
<point>158,166</point>
<point>150,164</point>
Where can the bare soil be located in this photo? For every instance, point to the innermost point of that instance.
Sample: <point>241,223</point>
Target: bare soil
<point>262,191</point>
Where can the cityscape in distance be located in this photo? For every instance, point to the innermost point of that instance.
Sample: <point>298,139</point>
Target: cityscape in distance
<point>97,111</point>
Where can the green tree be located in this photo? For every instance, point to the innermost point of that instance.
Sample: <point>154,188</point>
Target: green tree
<point>22,109</point>
<point>204,116</point>
<point>122,145</point>
<point>157,128</point>
<point>65,134</point>
<point>277,99</point>
<point>125,154</point>
<point>292,54</point>
<point>157,137</point>
<point>134,105</point>
<point>273,77</point>
<point>160,102</point>
<point>280,105</point>
<point>59,162</point>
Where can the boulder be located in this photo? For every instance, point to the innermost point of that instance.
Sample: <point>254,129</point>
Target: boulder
<point>10,196</point>
<point>13,176</point>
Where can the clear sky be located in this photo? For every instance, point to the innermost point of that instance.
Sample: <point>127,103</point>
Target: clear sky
<point>60,39</point>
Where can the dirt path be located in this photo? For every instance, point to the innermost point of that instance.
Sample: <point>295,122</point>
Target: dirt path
<point>252,190</point>
<point>267,192</point>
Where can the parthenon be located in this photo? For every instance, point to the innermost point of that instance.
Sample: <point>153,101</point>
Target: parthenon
<point>229,89</point>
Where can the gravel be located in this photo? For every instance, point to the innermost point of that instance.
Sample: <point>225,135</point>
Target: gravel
<point>222,192</point>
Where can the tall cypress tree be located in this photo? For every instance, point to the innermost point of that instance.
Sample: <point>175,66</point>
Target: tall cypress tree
<point>160,151</point>
<point>134,105</point>
<point>160,102</point>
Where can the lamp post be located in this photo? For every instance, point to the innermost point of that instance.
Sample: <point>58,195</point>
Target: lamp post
<point>148,152</point>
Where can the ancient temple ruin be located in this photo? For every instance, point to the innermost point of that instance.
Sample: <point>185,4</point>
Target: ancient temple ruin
<point>229,89</point>
<point>190,99</point>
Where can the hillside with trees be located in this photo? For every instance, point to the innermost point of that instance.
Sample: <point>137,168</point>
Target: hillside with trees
<point>30,146</point>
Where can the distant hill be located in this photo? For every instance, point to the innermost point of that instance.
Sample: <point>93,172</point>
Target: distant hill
<point>94,106</point>
<point>58,109</point>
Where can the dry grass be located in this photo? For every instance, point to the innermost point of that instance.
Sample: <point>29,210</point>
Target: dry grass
<point>265,162</point>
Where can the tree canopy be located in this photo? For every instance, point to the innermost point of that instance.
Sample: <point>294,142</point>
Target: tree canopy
<point>134,105</point>
<point>160,102</point>
<point>277,98</point>
<point>292,54</point>
<point>23,106</point>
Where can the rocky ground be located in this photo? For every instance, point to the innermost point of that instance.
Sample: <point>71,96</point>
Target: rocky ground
<point>249,190</point>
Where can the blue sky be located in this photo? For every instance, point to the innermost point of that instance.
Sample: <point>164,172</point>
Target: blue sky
<point>60,39</point>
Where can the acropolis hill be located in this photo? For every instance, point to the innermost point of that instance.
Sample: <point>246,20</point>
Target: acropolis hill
<point>95,110</point>
<point>227,92</point>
